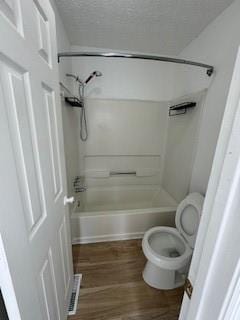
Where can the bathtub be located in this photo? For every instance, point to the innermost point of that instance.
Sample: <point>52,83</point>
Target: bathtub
<point>120,213</point>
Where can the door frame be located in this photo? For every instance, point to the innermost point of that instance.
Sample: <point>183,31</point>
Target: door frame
<point>213,227</point>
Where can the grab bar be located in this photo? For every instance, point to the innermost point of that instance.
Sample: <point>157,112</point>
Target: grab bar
<point>118,173</point>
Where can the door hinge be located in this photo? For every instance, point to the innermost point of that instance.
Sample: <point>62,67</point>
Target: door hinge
<point>188,288</point>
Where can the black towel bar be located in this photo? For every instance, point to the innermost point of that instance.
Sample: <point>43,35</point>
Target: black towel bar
<point>182,107</point>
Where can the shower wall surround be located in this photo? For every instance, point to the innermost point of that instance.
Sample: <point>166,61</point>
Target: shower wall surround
<point>127,111</point>
<point>124,135</point>
<point>139,137</point>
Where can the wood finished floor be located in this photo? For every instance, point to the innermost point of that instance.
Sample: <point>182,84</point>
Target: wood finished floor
<point>112,286</point>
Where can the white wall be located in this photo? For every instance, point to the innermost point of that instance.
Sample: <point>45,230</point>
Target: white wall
<point>126,78</point>
<point>182,141</point>
<point>216,45</point>
<point>70,115</point>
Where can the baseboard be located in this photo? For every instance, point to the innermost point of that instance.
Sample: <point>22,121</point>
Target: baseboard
<point>107,238</point>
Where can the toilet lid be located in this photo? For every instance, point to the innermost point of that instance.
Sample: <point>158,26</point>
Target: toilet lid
<point>188,217</point>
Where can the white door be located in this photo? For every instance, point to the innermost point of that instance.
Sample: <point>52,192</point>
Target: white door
<point>34,224</point>
<point>215,267</point>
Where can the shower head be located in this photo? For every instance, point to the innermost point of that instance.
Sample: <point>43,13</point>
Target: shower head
<point>92,75</point>
<point>98,73</point>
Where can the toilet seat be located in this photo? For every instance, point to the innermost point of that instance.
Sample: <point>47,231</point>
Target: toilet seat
<point>163,261</point>
<point>188,217</point>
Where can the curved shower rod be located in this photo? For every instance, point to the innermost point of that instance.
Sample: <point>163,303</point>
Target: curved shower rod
<point>209,68</point>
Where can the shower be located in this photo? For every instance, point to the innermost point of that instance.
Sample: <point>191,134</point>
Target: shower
<point>81,87</point>
<point>92,75</point>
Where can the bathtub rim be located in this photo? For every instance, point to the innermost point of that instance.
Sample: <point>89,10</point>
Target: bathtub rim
<point>76,214</point>
<point>76,211</point>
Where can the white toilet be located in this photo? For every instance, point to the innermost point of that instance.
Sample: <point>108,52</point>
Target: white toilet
<point>169,250</point>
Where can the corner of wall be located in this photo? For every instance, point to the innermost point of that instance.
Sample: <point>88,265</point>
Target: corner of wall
<point>216,45</point>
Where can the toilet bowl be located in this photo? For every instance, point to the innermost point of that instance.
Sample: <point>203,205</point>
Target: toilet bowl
<point>169,250</point>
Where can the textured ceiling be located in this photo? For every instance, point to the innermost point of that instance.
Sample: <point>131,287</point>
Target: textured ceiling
<point>160,26</point>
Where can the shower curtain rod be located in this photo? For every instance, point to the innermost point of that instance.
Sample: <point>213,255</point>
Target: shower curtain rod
<point>209,68</point>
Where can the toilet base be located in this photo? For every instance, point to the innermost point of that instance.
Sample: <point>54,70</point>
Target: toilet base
<point>162,278</point>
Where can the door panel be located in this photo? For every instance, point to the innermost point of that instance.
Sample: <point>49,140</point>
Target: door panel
<point>50,110</point>
<point>12,12</point>
<point>48,289</point>
<point>23,133</point>
<point>44,47</point>
<point>35,157</point>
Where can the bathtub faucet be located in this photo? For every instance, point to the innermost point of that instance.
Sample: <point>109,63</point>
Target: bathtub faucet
<point>82,189</point>
<point>78,185</point>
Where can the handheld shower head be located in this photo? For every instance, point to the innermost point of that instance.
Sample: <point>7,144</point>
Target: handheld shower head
<point>92,75</point>
<point>97,73</point>
<point>81,87</point>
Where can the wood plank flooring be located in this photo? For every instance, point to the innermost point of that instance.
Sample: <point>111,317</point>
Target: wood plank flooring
<point>112,286</point>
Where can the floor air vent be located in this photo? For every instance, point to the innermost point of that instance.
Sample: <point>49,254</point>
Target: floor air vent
<point>75,294</point>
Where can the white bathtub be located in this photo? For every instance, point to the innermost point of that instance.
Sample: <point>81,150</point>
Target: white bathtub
<point>117,213</point>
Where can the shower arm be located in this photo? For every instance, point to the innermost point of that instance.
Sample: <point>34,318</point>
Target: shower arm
<point>210,69</point>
